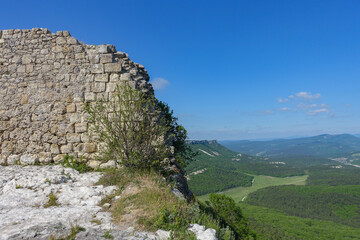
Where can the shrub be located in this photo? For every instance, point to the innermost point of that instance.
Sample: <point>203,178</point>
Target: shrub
<point>132,128</point>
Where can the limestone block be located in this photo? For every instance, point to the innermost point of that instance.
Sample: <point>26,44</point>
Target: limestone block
<point>110,87</point>
<point>60,41</point>
<point>106,58</point>
<point>80,127</point>
<point>75,117</point>
<point>27,59</point>
<point>102,96</point>
<point>71,108</point>
<point>108,164</point>
<point>13,159</point>
<point>66,148</point>
<point>59,158</point>
<point>103,49</point>
<point>101,77</point>
<point>113,67</point>
<point>89,147</point>
<point>94,163</point>
<point>44,157</point>
<point>73,137</point>
<point>99,87</point>
<point>28,159</point>
<point>97,68</point>
<point>54,148</point>
<point>90,97</point>
<point>2,159</point>
<point>21,69</point>
<point>125,77</point>
<point>94,59</point>
<point>72,41</point>
<point>79,56</point>
<point>29,68</point>
<point>4,125</point>
<point>114,77</point>
<point>85,137</point>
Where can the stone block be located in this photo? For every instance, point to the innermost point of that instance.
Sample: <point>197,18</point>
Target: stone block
<point>113,67</point>
<point>114,77</point>
<point>28,159</point>
<point>80,127</point>
<point>72,41</point>
<point>71,108</point>
<point>88,147</point>
<point>125,77</point>
<point>106,58</point>
<point>59,158</point>
<point>73,138</point>
<point>97,68</point>
<point>75,117</point>
<point>54,148</point>
<point>99,87</point>
<point>44,157</point>
<point>103,49</point>
<point>111,87</point>
<point>66,148</point>
<point>94,163</point>
<point>90,97</point>
<point>13,159</point>
<point>101,77</point>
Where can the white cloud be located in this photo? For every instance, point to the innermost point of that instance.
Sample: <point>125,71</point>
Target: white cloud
<point>318,111</point>
<point>283,100</point>
<point>308,95</point>
<point>159,83</point>
<point>286,109</point>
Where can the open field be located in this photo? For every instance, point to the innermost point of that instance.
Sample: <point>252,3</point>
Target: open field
<point>240,193</point>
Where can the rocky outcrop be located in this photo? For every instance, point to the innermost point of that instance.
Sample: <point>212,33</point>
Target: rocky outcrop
<point>44,80</point>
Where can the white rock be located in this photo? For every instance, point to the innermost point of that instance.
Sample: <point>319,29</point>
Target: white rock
<point>163,235</point>
<point>202,233</point>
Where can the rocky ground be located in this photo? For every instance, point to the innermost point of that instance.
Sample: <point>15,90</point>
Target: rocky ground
<point>26,213</point>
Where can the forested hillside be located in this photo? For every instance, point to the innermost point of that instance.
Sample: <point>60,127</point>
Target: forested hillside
<point>217,168</point>
<point>322,146</point>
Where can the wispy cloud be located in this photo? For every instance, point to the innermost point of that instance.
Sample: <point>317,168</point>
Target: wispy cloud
<point>159,83</point>
<point>307,95</point>
<point>317,111</point>
<point>306,102</point>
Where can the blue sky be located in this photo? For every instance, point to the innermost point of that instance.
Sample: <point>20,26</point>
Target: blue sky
<point>229,69</point>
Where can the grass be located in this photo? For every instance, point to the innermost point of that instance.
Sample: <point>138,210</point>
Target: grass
<point>52,201</point>
<point>260,181</point>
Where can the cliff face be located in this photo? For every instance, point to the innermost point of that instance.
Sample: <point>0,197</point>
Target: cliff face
<point>44,79</point>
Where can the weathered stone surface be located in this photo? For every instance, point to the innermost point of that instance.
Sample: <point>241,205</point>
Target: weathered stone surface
<point>202,233</point>
<point>46,78</point>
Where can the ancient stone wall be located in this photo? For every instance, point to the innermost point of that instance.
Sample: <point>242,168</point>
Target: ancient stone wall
<point>44,80</point>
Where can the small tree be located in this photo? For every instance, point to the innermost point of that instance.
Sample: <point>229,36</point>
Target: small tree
<point>132,128</point>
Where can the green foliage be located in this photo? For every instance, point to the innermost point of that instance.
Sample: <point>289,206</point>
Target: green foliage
<point>216,180</point>
<point>229,214</point>
<point>227,169</point>
<point>183,152</point>
<point>272,224</point>
<point>52,201</point>
<point>325,175</point>
<point>76,163</point>
<point>131,127</point>
<point>240,193</point>
<point>340,204</point>
<point>107,235</point>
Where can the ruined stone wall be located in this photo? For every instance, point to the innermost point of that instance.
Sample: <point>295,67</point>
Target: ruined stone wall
<point>44,79</point>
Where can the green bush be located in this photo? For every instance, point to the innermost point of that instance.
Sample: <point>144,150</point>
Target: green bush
<point>132,128</point>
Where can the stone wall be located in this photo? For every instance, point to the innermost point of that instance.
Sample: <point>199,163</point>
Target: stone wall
<point>44,80</point>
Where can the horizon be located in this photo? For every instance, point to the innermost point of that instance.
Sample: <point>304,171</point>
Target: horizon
<point>229,70</point>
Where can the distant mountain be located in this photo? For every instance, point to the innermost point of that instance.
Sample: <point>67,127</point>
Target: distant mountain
<point>327,146</point>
